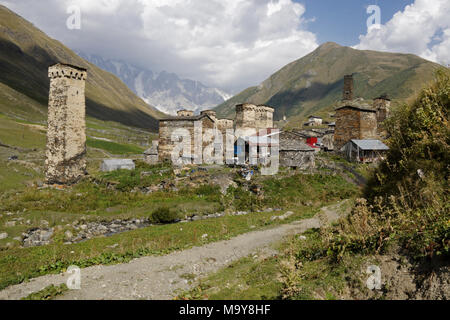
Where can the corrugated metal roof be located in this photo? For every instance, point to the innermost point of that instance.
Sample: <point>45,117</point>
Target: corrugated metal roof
<point>370,145</point>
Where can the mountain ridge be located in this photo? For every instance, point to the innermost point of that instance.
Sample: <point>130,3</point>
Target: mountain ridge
<point>25,54</point>
<point>164,90</point>
<point>313,83</point>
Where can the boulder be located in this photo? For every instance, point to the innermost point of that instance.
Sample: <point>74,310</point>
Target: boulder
<point>117,164</point>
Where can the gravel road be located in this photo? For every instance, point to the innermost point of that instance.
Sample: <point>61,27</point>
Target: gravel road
<point>159,277</point>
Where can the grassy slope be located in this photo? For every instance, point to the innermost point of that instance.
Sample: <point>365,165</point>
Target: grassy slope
<point>412,228</point>
<point>94,201</point>
<point>26,53</point>
<point>314,83</point>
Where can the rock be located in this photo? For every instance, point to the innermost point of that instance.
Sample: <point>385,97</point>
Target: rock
<point>196,218</point>
<point>44,223</point>
<point>17,239</point>
<point>205,236</point>
<point>46,235</point>
<point>10,224</point>
<point>68,235</point>
<point>3,235</point>
<point>117,164</point>
<point>83,227</point>
<point>282,217</point>
<point>302,238</point>
<point>113,246</point>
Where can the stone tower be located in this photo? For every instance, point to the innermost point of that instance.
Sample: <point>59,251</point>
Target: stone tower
<point>382,105</point>
<point>251,118</point>
<point>348,88</point>
<point>66,134</point>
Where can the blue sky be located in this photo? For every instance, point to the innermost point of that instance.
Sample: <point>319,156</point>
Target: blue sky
<point>234,44</point>
<point>343,21</point>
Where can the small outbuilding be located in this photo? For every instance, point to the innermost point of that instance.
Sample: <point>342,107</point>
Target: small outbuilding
<point>294,152</point>
<point>117,164</point>
<point>365,151</point>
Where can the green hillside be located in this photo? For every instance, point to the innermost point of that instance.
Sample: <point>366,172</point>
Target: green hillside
<point>313,84</point>
<point>26,53</point>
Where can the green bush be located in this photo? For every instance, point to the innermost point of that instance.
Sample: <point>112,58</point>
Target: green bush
<point>165,215</point>
<point>407,197</point>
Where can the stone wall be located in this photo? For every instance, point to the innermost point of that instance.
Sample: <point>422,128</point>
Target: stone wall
<point>382,106</point>
<point>251,118</point>
<point>294,152</point>
<point>185,113</point>
<point>368,125</point>
<point>151,155</point>
<point>347,126</point>
<point>348,88</point>
<point>297,159</point>
<point>354,123</point>
<point>66,134</point>
<point>168,126</point>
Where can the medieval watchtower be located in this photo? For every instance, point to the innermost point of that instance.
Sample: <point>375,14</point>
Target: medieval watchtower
<point>66,134</point>
<point>348,88</point>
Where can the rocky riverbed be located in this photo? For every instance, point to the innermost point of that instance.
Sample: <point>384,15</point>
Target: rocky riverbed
<point>87,230</point>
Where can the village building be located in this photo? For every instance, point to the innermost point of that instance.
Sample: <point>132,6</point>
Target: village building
<point>365,151</point>
<point>185,119</point>
<point>251,118</point>
<point>354,118</point>
<point>382,105</point>
<point>66,134</point>
<point>294,152</point>
<point>354,121</point>
<point>314,121</point>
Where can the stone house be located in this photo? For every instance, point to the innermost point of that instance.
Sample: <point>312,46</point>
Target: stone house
<point>249,120</point>
<point>294,152</point>
<point>184,120</point>
<point>354,118</point>
<point>314,121</point>
<point>354,121</point>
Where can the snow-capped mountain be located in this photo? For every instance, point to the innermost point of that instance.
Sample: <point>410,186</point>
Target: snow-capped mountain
<point>165,91</point>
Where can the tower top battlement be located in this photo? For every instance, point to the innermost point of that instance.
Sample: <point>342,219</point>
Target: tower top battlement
<point>60,70</point>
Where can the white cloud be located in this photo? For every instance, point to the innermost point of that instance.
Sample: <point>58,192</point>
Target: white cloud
<point>416,30</point>
<point>231,44</point>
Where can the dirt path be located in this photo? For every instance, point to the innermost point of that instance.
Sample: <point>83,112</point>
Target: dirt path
<point>158,277</point>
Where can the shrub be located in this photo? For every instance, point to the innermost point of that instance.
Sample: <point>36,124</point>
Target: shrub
<point>165,215</point>
<point>407,197</point>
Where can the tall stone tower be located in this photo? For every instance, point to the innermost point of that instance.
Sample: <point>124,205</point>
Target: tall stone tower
<point>382,105</point>
<point>66,134</point>
<point>348,88</point>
